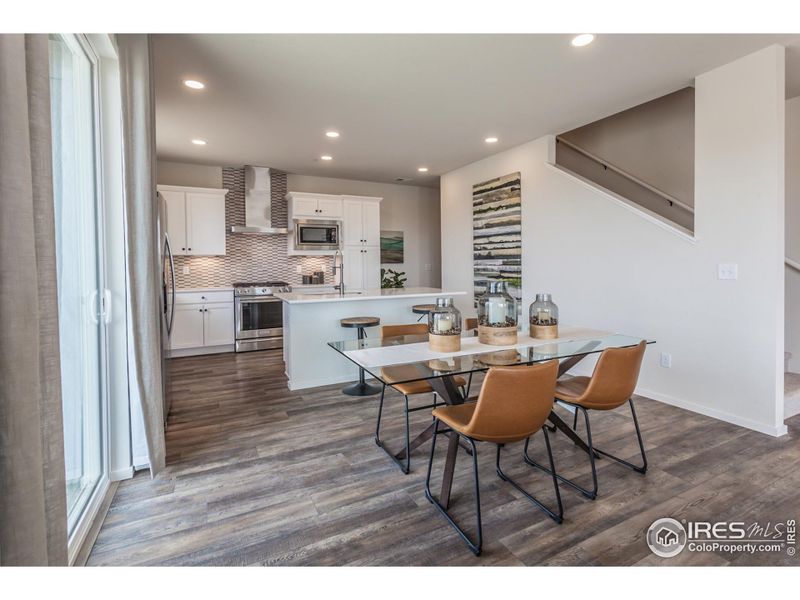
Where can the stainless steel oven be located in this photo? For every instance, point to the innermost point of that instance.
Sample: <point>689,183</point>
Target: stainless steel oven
<point>316,235</point>
<point>258,316</point>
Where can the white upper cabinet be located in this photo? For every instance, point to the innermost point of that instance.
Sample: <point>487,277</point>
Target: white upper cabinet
<point>371,223</point>
<point>195,220</point>
<point>176,220</point>
<point>304,205</point>
<point>362,220</point>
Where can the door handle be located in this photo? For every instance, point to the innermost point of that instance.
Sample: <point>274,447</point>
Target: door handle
<point>92,306</point>
<point>106,312</point>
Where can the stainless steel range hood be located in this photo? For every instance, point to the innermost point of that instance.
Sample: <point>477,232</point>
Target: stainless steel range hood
<point>257,203</point>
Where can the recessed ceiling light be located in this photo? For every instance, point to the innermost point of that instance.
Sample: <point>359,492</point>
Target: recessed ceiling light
<point>491,140</point>
<point>583,39</point>
<point>325,157</point>
<point>423,169</point>
<point>194,84</point>
<point>332,134</point>
<point>199,142</point>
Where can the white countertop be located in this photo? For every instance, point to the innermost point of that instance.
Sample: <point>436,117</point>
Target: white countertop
<point>205,289</point>
<point>382,294</point>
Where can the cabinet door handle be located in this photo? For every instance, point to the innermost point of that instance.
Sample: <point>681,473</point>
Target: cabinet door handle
<point>184,249</point>
<point>190,249</point>
<point>200,310</point>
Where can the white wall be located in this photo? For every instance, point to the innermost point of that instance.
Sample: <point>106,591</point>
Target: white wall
<point>792,323</point>
<point>608,267</point>
<point>411,209</point>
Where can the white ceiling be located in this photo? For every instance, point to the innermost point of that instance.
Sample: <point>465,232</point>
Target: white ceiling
<point>404,101</point>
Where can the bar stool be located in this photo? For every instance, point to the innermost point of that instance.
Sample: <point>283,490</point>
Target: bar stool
<point>514,404</point>
<point>422,310</point>
<point>361,388</point>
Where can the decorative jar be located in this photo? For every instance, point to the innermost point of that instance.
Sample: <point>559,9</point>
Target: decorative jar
<point>543,316</point>
<point>497,316</point>
<point>444,327</point>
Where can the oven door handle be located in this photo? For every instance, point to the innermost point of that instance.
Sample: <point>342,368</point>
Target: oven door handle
<point>256,299</point>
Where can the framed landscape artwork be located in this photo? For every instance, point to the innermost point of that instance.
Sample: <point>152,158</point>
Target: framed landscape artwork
<point>391,247</point>
<point>497,234</point>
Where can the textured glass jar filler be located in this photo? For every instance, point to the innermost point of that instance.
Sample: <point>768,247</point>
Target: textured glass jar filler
<point>543,317</point>
<point>497,316</point>
<point>444,327</point>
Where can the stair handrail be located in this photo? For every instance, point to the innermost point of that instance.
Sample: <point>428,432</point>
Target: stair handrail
<point>792,263</point>
<point>673,201</point>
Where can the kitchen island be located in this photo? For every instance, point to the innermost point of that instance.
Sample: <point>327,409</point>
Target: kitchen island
<point>311,320</point>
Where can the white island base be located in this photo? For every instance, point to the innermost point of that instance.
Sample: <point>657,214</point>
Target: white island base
<point>310,321</point>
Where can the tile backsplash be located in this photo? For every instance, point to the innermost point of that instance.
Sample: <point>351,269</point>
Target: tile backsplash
<point>249,257</point>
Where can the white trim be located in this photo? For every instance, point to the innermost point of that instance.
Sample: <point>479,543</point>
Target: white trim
<point>636,209</point>
<point>75,542</point>
<point>123,473</point>
<point>323,382</point>
<point>720,415</point>
<point>775,431</point>
<point>181,352</point>
<point>193,190</point>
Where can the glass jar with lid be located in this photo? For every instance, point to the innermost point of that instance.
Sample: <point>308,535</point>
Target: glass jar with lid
<point>444,326</point>
<point>543,316</point>
<point>497,316</point>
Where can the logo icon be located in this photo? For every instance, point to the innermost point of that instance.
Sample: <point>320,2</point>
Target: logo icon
<point>666,537</point>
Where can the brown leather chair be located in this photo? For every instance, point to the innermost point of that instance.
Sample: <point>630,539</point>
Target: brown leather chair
<point>400,373</point>
<point>610,386</point>
<point>514,403</point>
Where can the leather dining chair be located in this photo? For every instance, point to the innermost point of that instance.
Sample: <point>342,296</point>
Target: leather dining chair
<point>513,404</point>
<point>399,373</point>
<point>610,386</point>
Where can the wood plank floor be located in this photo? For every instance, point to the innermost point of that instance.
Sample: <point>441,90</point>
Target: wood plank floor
<point>259,475</point>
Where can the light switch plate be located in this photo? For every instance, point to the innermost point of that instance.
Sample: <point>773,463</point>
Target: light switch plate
<point>727,271</point>
<point>666,360</point>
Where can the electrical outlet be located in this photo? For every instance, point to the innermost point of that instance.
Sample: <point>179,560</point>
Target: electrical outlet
<point>666,360</point>
<point>727,271</point>
<point>186,270</point>
<point>299,269</point>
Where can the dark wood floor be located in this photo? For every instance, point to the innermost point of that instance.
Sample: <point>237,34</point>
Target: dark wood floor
<point>261,475</point>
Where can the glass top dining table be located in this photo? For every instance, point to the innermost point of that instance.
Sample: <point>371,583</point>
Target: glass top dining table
<point>403,359</point>
<point>377,355</point>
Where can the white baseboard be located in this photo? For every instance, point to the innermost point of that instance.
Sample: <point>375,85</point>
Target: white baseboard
<point>200,351</point>
<point>714,413</point>
<point>310,383</point>
<point>120,474</point>
<point>699,408</point>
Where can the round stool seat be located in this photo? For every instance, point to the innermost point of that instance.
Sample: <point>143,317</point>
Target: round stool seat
<point>422,309</point>
<point>360,322</point>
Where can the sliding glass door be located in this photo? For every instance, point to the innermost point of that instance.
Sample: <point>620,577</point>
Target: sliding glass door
<point>80,270</point>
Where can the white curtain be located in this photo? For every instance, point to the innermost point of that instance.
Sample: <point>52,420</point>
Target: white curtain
<point>138,131</point>
<point>33,506</point>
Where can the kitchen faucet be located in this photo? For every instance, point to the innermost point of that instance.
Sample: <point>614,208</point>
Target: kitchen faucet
<point>340,268</point>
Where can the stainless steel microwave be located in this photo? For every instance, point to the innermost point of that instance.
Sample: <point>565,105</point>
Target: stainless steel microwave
<point>316,235</point>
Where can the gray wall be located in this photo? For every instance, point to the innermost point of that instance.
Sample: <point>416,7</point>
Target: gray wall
<point>175,173</point>
<point>792,306</point>
<point>653,141</point>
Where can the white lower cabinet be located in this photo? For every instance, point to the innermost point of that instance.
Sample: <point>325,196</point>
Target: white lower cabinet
<point>204,323</point>
<point>187,327</point>
<point>218,324</point>
<point>362,267</point>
